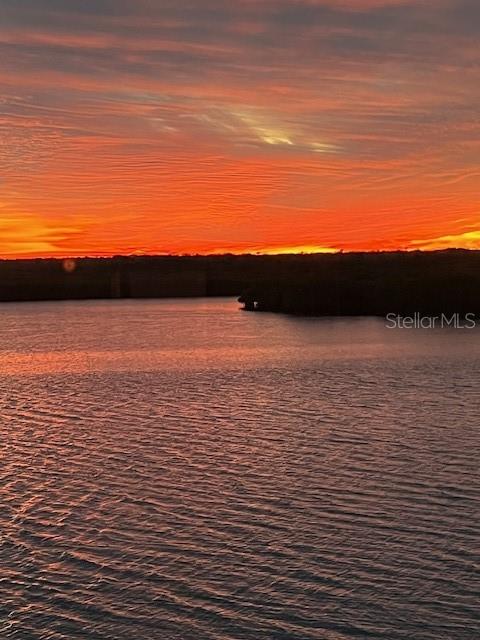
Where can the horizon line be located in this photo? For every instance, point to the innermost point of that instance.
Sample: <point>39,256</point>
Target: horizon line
<point>255,254</point>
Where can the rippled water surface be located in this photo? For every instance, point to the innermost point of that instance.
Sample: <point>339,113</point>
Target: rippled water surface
<point>184,470</point>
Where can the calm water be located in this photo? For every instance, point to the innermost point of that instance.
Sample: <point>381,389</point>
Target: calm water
<point>184,470</point>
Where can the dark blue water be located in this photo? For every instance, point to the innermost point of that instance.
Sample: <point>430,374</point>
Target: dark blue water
<point>183,470</point>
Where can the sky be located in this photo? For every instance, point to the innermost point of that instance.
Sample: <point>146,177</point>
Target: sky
<point>206,126</point>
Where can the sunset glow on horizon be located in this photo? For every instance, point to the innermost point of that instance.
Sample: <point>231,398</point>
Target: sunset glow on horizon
<point>267,126</point>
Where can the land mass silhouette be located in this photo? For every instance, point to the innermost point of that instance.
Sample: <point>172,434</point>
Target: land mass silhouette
<point>318,284</point>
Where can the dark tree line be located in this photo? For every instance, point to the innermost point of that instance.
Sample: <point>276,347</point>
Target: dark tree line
<point>373,284</point>
<point>337,284</point>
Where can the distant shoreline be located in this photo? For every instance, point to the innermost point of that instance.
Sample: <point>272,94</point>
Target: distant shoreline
<point>339,284</point>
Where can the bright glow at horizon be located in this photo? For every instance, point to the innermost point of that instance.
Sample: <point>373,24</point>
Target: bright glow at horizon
<point>139,127</point>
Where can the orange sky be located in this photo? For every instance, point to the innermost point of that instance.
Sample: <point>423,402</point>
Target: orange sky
<point>132,126</point>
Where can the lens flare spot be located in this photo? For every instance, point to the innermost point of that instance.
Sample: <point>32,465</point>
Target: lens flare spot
<point>69,265</point>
